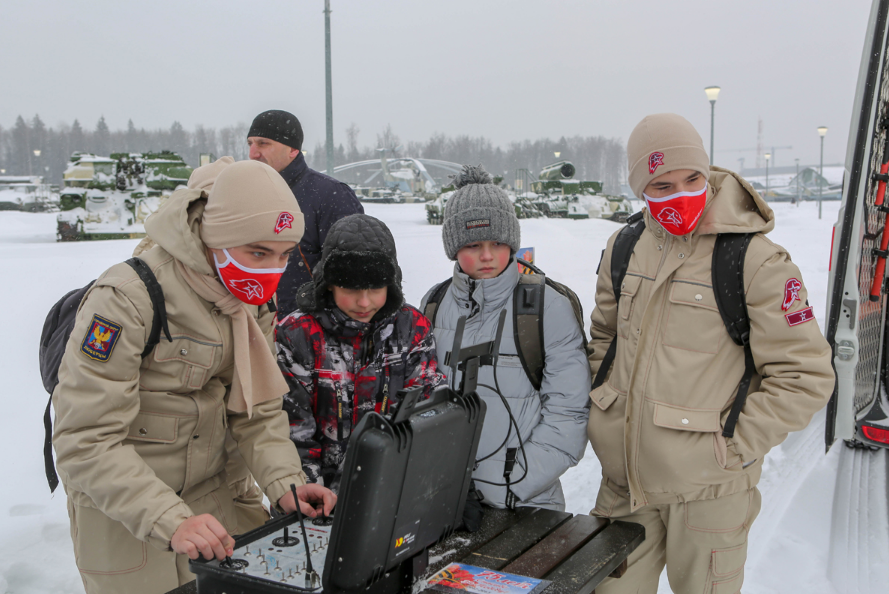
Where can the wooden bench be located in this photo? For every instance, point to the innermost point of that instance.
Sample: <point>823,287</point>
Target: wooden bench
<point>575,553</point>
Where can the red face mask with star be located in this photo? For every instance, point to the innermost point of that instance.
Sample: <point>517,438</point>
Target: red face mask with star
<point>678,213</point>
<point>251,285</point>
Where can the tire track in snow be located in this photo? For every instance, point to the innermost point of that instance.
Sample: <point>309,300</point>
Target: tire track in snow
<point>858,561</point>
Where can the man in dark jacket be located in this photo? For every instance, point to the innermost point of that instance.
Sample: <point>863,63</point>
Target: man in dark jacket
<point>276,139</point>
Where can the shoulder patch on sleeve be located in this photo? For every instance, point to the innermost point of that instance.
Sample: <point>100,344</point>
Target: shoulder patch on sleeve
<point>101,336</point>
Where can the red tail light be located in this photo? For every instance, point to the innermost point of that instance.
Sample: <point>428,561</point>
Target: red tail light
<point>875,433</point>
<point>830,262</point>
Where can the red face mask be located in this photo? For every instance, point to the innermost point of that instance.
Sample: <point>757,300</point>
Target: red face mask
<point>251,285</point>
<point>678,213</point>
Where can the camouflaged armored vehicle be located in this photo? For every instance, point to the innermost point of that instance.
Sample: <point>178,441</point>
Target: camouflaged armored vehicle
<point>559,195</point>
<point>110,197</point>
<point>524,207</point>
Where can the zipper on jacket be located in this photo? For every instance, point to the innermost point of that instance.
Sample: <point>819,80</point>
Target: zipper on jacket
<point>340,403</point>
<point>385,400</point>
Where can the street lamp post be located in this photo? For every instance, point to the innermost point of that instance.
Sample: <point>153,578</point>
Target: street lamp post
<point>30,169</point>
<point>712,94</point>
<point>768,156</point>
<point>329,85</point>
<point>822,131</point>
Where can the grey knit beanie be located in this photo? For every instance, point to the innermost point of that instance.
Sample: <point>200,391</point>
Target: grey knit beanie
<point>478,211</point>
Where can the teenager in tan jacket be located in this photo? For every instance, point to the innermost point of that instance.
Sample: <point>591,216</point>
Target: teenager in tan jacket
<point>656,423</point>
<point>141,441</point>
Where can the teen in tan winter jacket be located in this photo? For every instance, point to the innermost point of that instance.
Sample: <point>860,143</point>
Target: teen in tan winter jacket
<point>141,442</point>
<point>656,423</point>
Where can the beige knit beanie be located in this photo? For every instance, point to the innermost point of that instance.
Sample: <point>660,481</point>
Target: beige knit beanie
<point>203,177</point>
<point>661,143</point>
<point>250,202</point>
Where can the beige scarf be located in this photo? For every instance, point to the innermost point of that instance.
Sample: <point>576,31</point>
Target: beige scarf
<point>257,377</point>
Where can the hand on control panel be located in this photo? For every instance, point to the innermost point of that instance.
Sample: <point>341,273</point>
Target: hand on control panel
<point>202,535</point>
<point>309,495</point>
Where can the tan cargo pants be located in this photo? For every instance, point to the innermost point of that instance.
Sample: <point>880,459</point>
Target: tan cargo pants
<point>702,543</point>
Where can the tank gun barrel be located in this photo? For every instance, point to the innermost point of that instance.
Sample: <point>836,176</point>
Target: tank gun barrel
<point>557,171</point>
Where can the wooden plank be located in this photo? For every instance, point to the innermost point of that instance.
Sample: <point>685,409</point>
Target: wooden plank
<point>460,544</point>
<point>556,547</point>
<point>517,539</point>
<point>586,569</point>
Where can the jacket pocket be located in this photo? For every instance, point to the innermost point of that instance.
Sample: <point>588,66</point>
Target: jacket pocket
<point>693,323</point>
<point>105,546</point>
<point>605,430</point>
<point>154,427</point>
<point>198,357</point>
<point>677,454</point>
<point>628,291</point>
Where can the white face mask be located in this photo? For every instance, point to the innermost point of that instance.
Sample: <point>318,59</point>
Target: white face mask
<point>251,285</point>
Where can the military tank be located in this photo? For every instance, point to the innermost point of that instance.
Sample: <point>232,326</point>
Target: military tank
<point>110,197</point>
<point>560,195</point>
<point>524,207</point>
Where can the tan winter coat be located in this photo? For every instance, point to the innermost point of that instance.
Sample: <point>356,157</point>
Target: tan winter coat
<point>656,424</point>
<point>142,439</point>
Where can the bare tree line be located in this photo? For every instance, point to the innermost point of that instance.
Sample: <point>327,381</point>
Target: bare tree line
<point>29,147</point>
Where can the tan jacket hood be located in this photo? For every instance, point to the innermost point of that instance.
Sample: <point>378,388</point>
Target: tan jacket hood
<point>176,227</point>
<point>733,206</point>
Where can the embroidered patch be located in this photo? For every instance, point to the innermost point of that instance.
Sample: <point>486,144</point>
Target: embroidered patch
<point>478,223</point>
<point>791,293</point>
<point>799,317</point>
<point>100,338</point>
<point>655,160</point>
<point>285,220</point>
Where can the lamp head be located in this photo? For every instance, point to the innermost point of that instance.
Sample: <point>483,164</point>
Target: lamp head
<point>36,152</point>
<point>712,93</point>
<point>768,156</point>
<point>822,130</point>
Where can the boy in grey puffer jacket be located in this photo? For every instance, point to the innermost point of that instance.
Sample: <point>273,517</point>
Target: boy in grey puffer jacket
<point>481,232</point>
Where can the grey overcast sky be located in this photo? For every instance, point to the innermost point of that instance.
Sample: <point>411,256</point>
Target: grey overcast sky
<point>504,69</point>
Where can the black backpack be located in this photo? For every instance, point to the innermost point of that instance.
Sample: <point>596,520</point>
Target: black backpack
<point>56,330</point>
<point>727,274</point>
<point>527,317</point>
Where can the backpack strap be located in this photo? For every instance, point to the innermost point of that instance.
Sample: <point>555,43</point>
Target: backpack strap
<point>156,293</point>
<point>435,298</point>
<point>527,325</point>
<point>727,271</point>
<point>621,251</point>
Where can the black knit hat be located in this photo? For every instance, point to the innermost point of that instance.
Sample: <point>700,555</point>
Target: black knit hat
<point>280,126</point>
<point>358,253</point>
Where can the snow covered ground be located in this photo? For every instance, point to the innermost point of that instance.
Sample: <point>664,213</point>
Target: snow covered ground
<point>790,544</point>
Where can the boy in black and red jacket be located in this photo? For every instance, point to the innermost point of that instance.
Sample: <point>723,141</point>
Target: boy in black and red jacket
<point>351,345</point>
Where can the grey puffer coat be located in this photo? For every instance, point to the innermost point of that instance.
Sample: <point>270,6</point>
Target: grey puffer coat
<point>552,422</point>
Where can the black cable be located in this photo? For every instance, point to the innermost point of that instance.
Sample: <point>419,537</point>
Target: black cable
<point>506,439</point>
<point>512,422</point>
